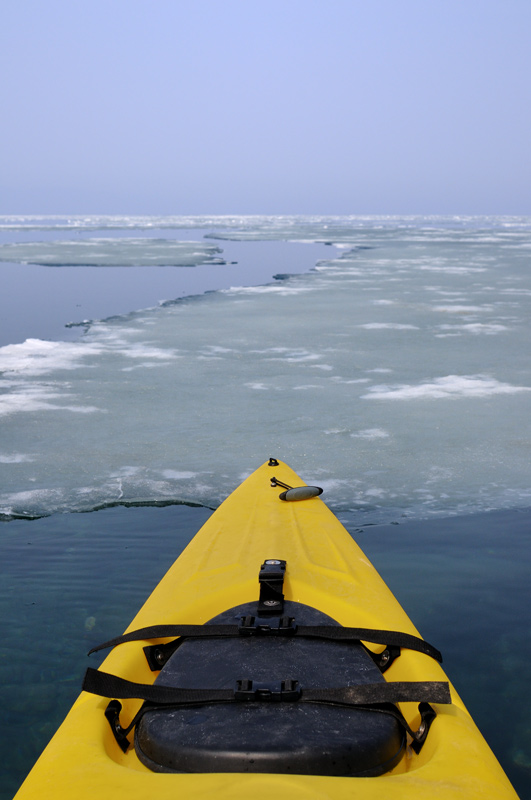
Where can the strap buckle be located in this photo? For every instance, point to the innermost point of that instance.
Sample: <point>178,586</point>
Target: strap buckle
<point>266,626</point>
<point>270,692</point>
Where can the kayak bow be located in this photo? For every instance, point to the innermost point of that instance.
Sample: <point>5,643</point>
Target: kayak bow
<point>271,659</point>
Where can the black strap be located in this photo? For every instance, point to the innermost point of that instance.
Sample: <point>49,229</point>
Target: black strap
<point>107,685</point>
<point>388,692</point>
<point>395,638</point>
<point>330,632</point>
<point>165,631</point>
<point>378,697</point>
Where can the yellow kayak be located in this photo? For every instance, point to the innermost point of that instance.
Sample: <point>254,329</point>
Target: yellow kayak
<point>270,661</point>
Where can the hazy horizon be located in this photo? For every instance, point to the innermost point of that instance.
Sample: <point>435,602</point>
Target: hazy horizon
<point>265,108</point>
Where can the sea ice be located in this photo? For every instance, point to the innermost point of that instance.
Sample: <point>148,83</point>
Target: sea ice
<point>174,403</point>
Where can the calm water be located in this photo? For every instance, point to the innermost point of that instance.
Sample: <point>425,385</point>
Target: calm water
<point>392,368</point>
<point>73,580</point>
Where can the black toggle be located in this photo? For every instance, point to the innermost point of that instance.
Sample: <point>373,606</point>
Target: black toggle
<point>427,715</point>
<point>112,713</point>
<point>384,659</point>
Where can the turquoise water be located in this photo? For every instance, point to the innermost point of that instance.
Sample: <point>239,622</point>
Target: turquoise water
<point>465,583</point>
<point>66,581</point>
<point>70,581</point>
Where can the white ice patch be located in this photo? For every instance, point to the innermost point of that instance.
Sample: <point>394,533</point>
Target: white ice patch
<point>370,433</point>
<point>144,365</point>
<point>282,288</point>
<point>375,493</point>
<point>175,475</point>
<point>31,398</point>
<point>338,379</point>
<point>146,350</point>
<point>452,269</point>
<point>213,349</point>
<point>391,326</point>
<point>462,309</point>
<point>15,458</point>
<point>366,434</point>
<point>126,252</point>
<point>451,386</point>
<point>37,357</point>
<point>35,496</point>
<point>287,354</point>
<point>475,328</point>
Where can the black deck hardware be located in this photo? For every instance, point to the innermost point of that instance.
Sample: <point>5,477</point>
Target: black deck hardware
<point>332,711</point>
<point>258,626</point>
<point>296,492</point>
<point>338,717</point>
<point>271,579</point>
<point>270,692</point>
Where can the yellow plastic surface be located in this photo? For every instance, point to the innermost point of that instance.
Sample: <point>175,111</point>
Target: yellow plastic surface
<point>219,569</point>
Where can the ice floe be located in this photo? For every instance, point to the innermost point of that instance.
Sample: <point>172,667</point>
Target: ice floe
<point>450,386</point>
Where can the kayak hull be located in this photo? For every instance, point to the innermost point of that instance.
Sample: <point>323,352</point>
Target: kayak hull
<point>326,570</point>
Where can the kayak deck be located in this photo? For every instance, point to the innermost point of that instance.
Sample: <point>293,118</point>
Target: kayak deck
<point>272,734</point>
<point>327,572</point>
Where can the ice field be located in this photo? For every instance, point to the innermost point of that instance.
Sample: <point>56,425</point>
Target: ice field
<point>395,372</point>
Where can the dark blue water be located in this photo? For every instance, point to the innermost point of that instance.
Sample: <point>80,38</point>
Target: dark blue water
<point>66,581</point>
<point>71,581</point>
<point>465,583</point>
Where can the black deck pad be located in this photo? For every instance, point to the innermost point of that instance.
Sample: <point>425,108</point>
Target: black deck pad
<point>275,737</point>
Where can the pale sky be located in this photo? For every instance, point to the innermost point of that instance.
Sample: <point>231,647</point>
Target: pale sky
<point>277,107</point>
